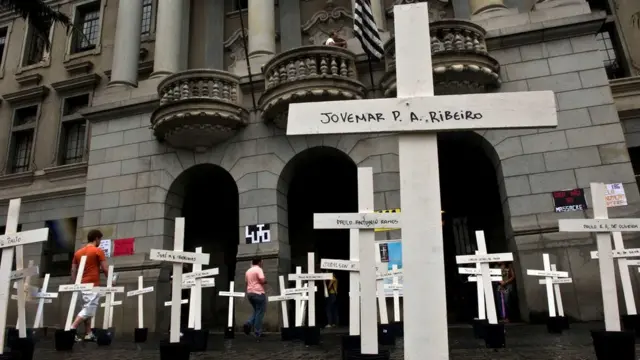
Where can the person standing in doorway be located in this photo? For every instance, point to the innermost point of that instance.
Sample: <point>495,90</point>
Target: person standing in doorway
<point>96,261</point>
<point>255,293</point>
<point>505,290</point>
<point>332,302</point>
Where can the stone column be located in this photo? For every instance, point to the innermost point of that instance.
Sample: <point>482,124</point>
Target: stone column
<point>262,28</point>
<point>481,6</point>
<point>214,35</point>
<point>126,49</point>
<point>290,33</point>
<point>168,37</point>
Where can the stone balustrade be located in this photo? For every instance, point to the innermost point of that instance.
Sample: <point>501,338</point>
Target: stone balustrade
<point>308,74</point>
<point>198,109</point>
<point>461,63</point>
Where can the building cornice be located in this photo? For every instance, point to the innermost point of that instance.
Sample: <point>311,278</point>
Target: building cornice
<point>626,93</point>
<point>27,95</point>
<point>82,82</point>
<point>124,108</point>
<point>56,193</point>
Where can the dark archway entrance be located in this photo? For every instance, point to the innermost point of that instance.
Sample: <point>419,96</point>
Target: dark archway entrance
<point>471,200</point>
<point>207,197</point>
<point>321,180</point>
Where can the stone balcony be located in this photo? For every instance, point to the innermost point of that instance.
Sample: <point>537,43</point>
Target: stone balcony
<point>198,109</point>
<point>461,63</point>
<point>308,74</point>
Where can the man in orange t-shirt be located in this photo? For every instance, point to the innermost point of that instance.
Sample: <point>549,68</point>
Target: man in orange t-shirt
<point>95,262</point>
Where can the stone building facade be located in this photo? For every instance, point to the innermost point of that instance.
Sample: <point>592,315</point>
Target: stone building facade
<point>191,128</point>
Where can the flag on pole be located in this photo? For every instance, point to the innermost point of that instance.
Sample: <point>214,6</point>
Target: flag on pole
<point>366,30</point>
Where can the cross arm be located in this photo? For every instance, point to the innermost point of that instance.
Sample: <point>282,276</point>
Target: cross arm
<point>599,225</point>
<point>356,221</point>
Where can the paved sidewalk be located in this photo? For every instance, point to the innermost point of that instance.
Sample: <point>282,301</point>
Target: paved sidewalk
<point>523,342</point>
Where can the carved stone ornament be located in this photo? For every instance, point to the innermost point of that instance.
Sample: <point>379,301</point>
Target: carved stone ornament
<point>330,18</point>
<point>235,46</point>
<point>438,9</point>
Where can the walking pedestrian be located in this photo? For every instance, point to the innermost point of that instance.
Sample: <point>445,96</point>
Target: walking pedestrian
<point>255,293</point>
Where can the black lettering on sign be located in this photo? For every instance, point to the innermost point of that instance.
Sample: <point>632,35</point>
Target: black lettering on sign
<point>255,234</point>
<point>396,115</point>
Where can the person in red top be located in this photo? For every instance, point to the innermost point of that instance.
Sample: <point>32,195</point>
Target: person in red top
<point>95,262</point>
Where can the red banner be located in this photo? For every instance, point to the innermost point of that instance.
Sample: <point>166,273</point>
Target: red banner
<point>123,247</point>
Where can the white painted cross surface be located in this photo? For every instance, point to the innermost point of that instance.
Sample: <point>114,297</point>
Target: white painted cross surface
<point>418,117</point>
<point>396,296</point>
<point>548,274</point>
<point>366,221</point>
<point>481,257</point>
<point>26,289</point>
<point>75,288</point>
<point>300,304</point>
<point>139,293</point>
<point>231,294</point>
<point>109,318</point>
<point>285,312</point>
<point>603,227</point>
<point>382,299</point>
<point>10,240</point>
<point>195,296</point>
<point>43,295</point>
<point>476,276</point>
<point>311,277</point>
<point>108,299</point>
<point>556,281</point>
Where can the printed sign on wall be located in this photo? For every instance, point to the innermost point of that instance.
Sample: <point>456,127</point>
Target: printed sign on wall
<point>615,196</point>
<point>569,200</point>
<point>105,245</point>
<point>255,234</point>
<point>123,247</point>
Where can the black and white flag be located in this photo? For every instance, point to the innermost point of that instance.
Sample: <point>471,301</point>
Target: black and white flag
<point>366,30</point>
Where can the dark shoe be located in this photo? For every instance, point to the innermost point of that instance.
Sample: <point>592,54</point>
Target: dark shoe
<point>246,329</point>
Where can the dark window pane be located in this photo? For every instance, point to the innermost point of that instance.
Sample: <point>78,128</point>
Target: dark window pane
<point>58,250</point>
<point>3,42</point>
<point>147,13</point>
<point>74,142</point>
<point>89,23</point>
<point>36,47</point>
<point>22,142</point>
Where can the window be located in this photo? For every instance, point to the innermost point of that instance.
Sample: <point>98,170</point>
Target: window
<point>87,19</point>
<point>239,5</point>
<point>147,13</point>
<point>22,134</point>
<point>4,32</point>
<point>73,131</point>
<point>634,156</point>
<point>609,46</point>
<point>35,49</point>
<point>58,249</point>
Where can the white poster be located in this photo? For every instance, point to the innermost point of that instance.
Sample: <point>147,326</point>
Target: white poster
<point>391,254</point>
<point>105,245</point>
<point>615,196</point>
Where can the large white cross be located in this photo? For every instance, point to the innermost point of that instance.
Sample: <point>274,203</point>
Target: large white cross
<point>476,276</point>
<point>484,259</point>
<point>177,257</point>
<point>283,298</point>
<point>300,302</point>
<point>549,275</point>
<point>418,116</point>
<point>139,293</point>
<point>195,292</point>
<point>366,221</point>
<point>311,277</point>
<point>622,254</point>
<point>42,297</point>
<point>603,227</point>
<point>108,292</point>
<point>231,294</point>
<point>75,288</point>
<point>10,240</point>
<point>556,281</point>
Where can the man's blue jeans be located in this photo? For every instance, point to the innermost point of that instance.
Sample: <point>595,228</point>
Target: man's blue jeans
<point>259,304</point>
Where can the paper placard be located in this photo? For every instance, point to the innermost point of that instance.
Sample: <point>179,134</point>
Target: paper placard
<point>43,295</point>
<point>311,277</point>
<point>203,283</point>
<point>598,225</point>
<point>388,274</point>
<point>488,258</point>
<point>356,221</point>
<point>493,278</point>
<point>24,238</point>
<point>75,287</point>
<point>105,245</point>
<point>614,195</point>
<point>556,281</point>
<point>283,297</point>
<point>337,264</point>
<point>184,301</point>
<point>475,271</point>
<point>104,290</point>
<point>199,274</point>
<point>393,287</point>
<point>620,253</point>
<point>140,292</point>
<point>123,247</point>
<point>545,273</point>
<point>302,290</point>
<point>113,303</point>
<point>179,256</point>
<point>231,294</point>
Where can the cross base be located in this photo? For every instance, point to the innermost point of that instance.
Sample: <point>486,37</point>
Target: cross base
<point>196,339</point>
<point>614,344</point>
<point>357,355</point>
<point>631,323</point>
<point>140,335</point>
<point>312,335</point>
<point>229,333</point>
<point>288,334</point>
<point>494,336</point>
<point>555,324</point>
<point>174,351</point>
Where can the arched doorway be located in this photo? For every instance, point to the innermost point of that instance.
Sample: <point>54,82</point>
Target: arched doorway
<point>320,180</point>
<point>471,200</point>
<point>206,196</point>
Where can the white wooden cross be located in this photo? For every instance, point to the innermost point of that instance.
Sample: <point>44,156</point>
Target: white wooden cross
<point>311,277</point>
<point>603,227</point>
<point>484,259</point>
<point>366,221</point>
<point>108,292</point>
<point>382,298</point>
<point>43,297</point>
<point>284,297</point>
<point>195,292</point>
<point>27,289</point>
<point>139,293</point>
<point>301,301</point>
<point>75,288</point>
<point>622,254</point>
<point>177,257</point>
<point>417,116</point>
<point>476,276</point>
<point>556,281</point>
<point>231,295</point>
<point>109,318</point>
<point>10,240</point>
<point>396,286</point>
<point>549,275</point>
<point>353,267</point>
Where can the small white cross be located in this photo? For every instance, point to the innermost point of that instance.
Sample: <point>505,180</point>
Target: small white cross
<point>195,292</point>
<point>476,276</point>
<point>549,275</point>
<point>42,297</point>
<point>177,256</point>
<point>231,295</point>
<point>603,227</point>
<point>75,288</point>
<point>139,293</point>
<point>556,281</point>
<point>311,277</point>
<point>286,295</point>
